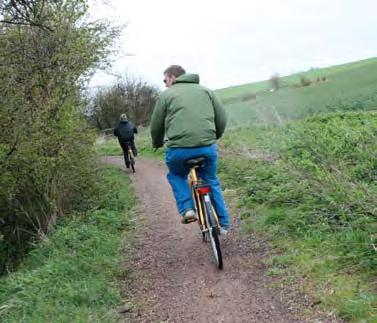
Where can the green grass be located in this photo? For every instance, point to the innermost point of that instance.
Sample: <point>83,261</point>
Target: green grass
<point>349,87</point>
<point>111,147</point>
<point>71,276</point>
<point>303,160</point>
<point>313,192</point>
<point>236,92</point>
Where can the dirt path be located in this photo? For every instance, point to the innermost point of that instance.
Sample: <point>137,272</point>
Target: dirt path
<point>176,279</point>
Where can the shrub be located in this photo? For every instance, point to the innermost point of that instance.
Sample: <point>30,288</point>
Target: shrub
<point>47,50</point>
<point>305,81</point>
<point>275,82</point>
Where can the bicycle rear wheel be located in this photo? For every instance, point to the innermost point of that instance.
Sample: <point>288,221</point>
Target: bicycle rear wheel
<point>132,161</point>
<point>213,233</point>
<point>198,209</point>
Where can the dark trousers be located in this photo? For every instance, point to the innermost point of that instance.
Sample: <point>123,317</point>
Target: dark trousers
<point>124,145</point>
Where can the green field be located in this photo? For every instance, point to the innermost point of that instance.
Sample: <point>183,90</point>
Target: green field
<point>348,87</point>
<point>303,161</point>
<point>311,187</point>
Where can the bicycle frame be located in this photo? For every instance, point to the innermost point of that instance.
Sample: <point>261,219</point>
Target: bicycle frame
<point>199,191</point>
<point>130,153</point>
<point>131,156</point>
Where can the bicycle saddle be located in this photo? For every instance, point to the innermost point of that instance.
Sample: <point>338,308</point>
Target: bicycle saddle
<point>199,161</point>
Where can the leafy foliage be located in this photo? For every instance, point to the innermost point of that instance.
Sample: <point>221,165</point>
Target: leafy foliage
<point>47,51</point>
<point>132,96</point>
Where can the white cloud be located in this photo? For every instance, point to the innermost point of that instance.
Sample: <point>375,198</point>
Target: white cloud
<point>234,42</point>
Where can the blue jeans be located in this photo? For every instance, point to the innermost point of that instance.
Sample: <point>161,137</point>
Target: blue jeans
<point>178,179</point>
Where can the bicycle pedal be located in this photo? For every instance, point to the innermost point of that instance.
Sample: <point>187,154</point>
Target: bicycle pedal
<point>188,221</point>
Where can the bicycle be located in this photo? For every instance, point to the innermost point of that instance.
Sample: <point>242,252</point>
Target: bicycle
<point>207,216</point>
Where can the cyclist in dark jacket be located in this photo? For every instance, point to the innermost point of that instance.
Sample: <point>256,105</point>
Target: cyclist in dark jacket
<point>125,131</point>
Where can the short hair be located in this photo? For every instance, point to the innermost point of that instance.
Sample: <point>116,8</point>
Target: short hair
<point>174,70</point>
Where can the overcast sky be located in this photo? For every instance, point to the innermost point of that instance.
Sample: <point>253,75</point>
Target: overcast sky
<point>239,41</point>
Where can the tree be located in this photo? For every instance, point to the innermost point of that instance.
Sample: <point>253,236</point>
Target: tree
<point>48,49</point>
<point>275,82</point>
<point>130,95</point>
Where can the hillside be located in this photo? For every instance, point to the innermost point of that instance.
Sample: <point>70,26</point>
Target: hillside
<point>347,87</point>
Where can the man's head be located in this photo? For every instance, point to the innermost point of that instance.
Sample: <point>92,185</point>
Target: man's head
<point>123,117</point>
<point>171,73</point>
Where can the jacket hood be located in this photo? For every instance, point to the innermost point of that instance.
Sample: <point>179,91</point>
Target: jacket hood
<point>188,78</point>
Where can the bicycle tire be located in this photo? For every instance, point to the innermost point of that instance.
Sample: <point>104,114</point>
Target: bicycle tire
<point>132,161</point>
<point>214,234</point>
<point>197,206</point>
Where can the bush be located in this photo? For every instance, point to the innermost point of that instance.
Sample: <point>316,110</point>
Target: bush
<point>132,96</point>
<point>275,82</point>
<point>304,81</point>
<point>46,146</point>
<point>248,97</point>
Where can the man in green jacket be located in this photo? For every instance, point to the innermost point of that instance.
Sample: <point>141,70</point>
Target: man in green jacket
<point>192,118</point>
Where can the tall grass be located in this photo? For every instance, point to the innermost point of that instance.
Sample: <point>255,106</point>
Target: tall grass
<point>313,192</point>
<point>71,276</point>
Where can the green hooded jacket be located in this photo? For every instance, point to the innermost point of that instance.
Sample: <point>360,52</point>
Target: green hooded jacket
<point>189,114</point>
